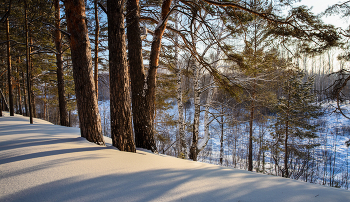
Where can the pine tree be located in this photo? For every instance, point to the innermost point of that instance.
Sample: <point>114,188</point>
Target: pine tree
<point>64,119</point>
<point>89,116</point>
<point>296,109</point>
<point>9,68</point>
<point>121,126</point>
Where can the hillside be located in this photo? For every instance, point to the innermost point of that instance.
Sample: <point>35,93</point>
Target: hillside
<point>45,162</point>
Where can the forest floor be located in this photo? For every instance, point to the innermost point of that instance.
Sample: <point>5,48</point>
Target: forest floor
<point>45,162</point>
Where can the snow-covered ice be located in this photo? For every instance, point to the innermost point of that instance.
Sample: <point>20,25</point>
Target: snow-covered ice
<point>45,162</point>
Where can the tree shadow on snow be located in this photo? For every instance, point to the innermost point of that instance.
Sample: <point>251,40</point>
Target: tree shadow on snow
<point>168,185</point>
<point>204,183</point>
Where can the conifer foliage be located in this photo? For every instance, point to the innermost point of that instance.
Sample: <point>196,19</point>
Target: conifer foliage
<point>296,109</point>
<point>214,72</point>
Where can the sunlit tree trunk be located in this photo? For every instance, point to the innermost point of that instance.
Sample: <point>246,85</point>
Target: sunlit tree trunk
<point>20,110</point>
<point>141,120</point>
<point>28,65</point>
<point>9,68</point>
<point>45,101</point>
<point>154,59</point>
<point>97,32</point>
<point>32,95</point>
<point>152,74</point>
<point>64,120</point>
<point>89,116</point>
<point>143,95</point>
<point>121,125</point>
<point>24,95</point>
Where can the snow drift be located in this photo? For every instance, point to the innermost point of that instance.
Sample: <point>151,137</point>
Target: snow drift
<point>45,162</point>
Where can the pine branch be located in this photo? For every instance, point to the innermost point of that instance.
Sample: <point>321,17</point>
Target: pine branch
<point>102,7</point>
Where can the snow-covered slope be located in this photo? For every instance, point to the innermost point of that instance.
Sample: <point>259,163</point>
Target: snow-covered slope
<point>44,162</point>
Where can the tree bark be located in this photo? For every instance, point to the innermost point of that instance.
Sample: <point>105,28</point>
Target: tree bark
<point>97,32</point>
<point>195,132</point>
<point>64,120</point>
<point>181,122</point>
<point>143,94</point>
<point>251,122</point>
<point>32,95</point>
<point>9,68</point>
<point>142,115</point>
<point>20,110</point>
<point>222,136</point>
<point>252,106</point>
<point>181,142</point>
<point>121,125</point>
<point>4,103</point>
<point>286,172</point>
<point>24,96</point>
<point>201,145</point>
<point>89,116</point>
<point>286,152</point>
<point>154,59</point>
<point>27,64</point>
<point>45,101</point>
<point>1,102</point>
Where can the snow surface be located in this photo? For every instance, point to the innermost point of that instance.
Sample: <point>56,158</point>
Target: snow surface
<point>45,162</point>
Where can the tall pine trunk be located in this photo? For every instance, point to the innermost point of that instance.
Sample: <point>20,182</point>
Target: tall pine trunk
<point>19,95</point>
<point>152,73</point>
<point>1,101</point>
<point>251,122</point>
<point>154,59</point>
<point>252,105</point>
<point>9,68</point>
<point>286,171</point>
<point>32,95</point>
<point>5,106</point>
<point>222,136</point>
<point>97,32</point>
<point>143,137</point>
<point>143,94</point>
<point>24,95</point>
<point>89,116</point>
<point>64,120</point>
<point>121,125</point>
<point>45,102</point>
<point>30,111</point>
